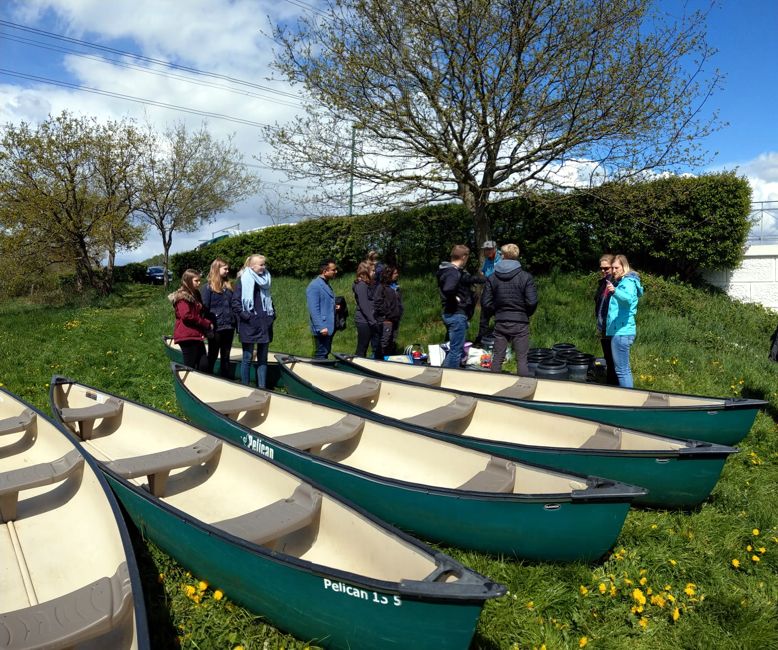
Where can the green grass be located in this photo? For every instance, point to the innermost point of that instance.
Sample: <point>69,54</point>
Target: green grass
<point>689,340</point>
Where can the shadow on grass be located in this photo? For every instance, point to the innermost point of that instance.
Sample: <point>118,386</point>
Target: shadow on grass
<point>162,631</point>
<point>482,643</point>
<point>752,392</point>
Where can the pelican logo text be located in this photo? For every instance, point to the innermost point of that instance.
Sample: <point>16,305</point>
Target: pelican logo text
<point>256,444</point>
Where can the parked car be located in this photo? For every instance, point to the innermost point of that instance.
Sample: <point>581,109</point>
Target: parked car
<point>156,275</point>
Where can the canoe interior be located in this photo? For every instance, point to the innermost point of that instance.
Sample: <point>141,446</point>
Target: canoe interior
<point>469,416</point>
<point>530,388</point>
<point>376,448</point>
<point>63,537</point>
<point>239,492</point>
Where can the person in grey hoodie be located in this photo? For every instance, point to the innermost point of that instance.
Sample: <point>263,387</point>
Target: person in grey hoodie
<point>511,295</point>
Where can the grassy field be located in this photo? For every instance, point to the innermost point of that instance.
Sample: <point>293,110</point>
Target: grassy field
<point>701,579</point>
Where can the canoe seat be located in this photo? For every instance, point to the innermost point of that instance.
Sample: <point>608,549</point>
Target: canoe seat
<point>522,388</point>
<point>25,478</point>
<point>605,437</point>
<point>18,423</point>
<point>499,475</point>
<point>439,418</point>
<point>312,440</point>
<point>276,520</point>
<point>83,615</point>
<point>254,401</point>
<point>657,400</point>
<point>429,377</point>
<point>366,391</point>
<point>85,416</point>
<point>157,466</point>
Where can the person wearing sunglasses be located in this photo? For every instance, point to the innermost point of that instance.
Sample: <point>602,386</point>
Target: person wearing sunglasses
<point>601,301</point>
<point>626,290</point>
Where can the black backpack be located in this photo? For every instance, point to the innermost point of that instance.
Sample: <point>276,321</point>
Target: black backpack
<point>341,313</point>
<point>774,346</point>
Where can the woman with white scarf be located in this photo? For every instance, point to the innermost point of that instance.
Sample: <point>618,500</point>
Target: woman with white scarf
<point>253,308</point>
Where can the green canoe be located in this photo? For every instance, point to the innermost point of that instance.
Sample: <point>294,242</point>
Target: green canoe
<point>68,575</point>
<point>273,371</point>
<point>720,420</point>
<point>677,473</point>
<point>284,548</point>
<point>443,492</point>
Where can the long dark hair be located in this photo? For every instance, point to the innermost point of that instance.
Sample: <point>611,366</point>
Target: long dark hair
<point>188,286</point>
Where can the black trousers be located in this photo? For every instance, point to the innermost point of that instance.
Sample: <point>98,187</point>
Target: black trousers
<point>610,376</point>
<point>367,335</point>
<point>219,347</point>
<point>514,334</point>
<point>194,355</point>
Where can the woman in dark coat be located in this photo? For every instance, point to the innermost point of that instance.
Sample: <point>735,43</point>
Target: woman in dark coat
<point>388,309</point>
<point>217,299</point>
<point>364,317</point>
<point>253,308</point>
<point>191,326</point>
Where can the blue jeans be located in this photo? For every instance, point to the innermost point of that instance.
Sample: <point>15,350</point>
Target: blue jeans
<point>620,346</point>
<point>245,364</point>
<point>322,345</point>
<point>456,324</point>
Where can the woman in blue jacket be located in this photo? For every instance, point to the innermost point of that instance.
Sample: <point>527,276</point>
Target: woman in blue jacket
<point>253,307</point>
<point>625,291</point>
<point>217,300</point>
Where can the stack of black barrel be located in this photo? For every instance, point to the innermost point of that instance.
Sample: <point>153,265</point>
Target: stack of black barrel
<point>561,361</point>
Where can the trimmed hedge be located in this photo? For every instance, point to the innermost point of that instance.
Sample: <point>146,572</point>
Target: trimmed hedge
<point>671,226</point>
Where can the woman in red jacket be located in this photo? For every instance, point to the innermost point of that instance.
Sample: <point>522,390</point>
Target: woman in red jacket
<point>191,326</point>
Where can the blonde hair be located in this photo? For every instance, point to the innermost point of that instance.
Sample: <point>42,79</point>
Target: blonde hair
<point>365,272</point>
<point>510,251</point>
<point>215,280</point>
<point>607,257</point>
<point>247,263</point>
<point>624,263</point>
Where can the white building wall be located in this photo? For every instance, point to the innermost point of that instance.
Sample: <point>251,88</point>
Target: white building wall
<point>755,280</point>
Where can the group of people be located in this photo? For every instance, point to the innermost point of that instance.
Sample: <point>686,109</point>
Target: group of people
<point>215,312</point>
<point>509,296</point>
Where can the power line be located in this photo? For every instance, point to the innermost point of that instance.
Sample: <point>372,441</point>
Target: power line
<point>147,59</point>
<point>124,64</point>
<point>131,98</point>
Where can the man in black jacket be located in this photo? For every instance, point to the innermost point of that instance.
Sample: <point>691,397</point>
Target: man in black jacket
<point>511,296</point>
<point>456,295</point>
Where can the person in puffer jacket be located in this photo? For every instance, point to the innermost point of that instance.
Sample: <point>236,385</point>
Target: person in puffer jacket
<point>191,325</point>
<point>626,290</point>
<point>511,295</point>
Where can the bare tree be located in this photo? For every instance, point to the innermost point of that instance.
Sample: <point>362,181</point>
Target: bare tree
<point>483,99</point>
<point>186,179</point>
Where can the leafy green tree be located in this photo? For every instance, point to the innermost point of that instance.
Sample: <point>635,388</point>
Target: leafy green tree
<point>66,197</point>
<point>186,179</point>
<point>482,99</point>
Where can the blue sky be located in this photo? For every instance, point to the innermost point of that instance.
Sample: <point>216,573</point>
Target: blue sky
<point>225,36</point>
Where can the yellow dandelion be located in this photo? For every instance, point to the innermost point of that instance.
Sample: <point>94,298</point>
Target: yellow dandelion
<point>749,548</point>
<point>755,532</point>
<point>530,604</point>
<point>202,585</point>
<point>690,589</point>
<point>676,614</point>
<point>762,550</point>
<point>583,590</point>
<point>613,590</point>
<point>643,622</point>
<point>628,582</point>
<point>755,558</point>
<point>161,578</point>
<point>602,587</point>
<point>673,562</point>
<point>639,596</point>
<point>218,594</point>
<point>658,600</point>
<point>643,580</point>
<point>671,598</point>
<point>643,572</point>
<point>238,647</point>
<point>582,642</point>
<point>189,590</point>
<point>736,563</point>
<point>653,526</point>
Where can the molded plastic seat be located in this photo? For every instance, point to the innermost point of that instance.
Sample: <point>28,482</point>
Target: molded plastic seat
<point>605,437</point>
<point>439,418</point>
<point>157,466</point>
<point>268,524</point>
<point>254,401</point>
<point>82,615</point>
<point>85,416</point>
<point>657,400</point>
<point>313,439</point>
<point>429,377</point>
<point>26,478</point>
<point>363,394</point>
<point>499,475</point>
<point>522,388</point>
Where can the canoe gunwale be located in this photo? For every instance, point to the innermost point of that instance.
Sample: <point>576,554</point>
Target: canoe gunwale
<point>599,489</point>
<point>489,588</point>
<point>140,622</point>
<point>715,452</point>
<point>728,403</point>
